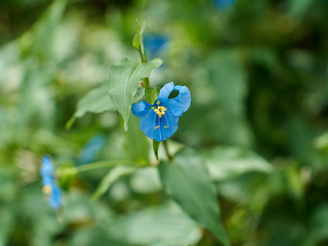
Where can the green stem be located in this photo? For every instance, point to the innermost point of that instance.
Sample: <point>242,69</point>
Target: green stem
<point>142,53</point>
<point>143,59</point>
<point>102,164</point>
<point>167,151</point>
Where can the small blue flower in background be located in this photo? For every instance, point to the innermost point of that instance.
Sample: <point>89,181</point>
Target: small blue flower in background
<point>49,188</point>
<point>55,198</point>
<point>154,44</point>
<point>46,171</point>
<point>90,150</point>
<point>222,4</point>
<point>160,120</point>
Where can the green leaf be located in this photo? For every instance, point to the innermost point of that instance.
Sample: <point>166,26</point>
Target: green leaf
<point>187,181</point>
<point>123,84</point>
<point>137,39</point>
<point>161,225</point>
<point>225,162</point>
<point>155,148</point>
<point>114,174</point>
<point>139,95</point>
<point>96,101</point>
<point>136,144</point>
<point>138,42</point>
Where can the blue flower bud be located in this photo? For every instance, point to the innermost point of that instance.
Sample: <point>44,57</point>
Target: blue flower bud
<point>49,188</point>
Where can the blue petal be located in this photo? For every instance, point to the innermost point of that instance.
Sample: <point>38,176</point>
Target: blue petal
<point>140,109</point>
<point>181,103</point>
<point>55,199</point>
<point>47,168</point>
<point>151,120</point>
<point>47,180</point>
<point>90,150</point>
<point>164,93</point>
<point>155,43</point>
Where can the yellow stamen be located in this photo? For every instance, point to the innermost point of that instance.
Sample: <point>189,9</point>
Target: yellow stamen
<point>156,127</point>
<point>46,189</point>
<point>160,111</point>
<point>166,127</point>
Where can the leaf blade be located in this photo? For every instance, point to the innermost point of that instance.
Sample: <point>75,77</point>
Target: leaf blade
<point>226,162</point>
<point>187,181</point>
<point>123,84</point>
<point>96,101</point>
<point>155,148</point>
<point>113,175</point>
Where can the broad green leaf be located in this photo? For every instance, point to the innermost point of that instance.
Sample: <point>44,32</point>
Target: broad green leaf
<point>224,162</point>
<point>114,174</point>
<point>139,95</point>
<point>162,225</point>
<point>123,84</point>
<point>96,101</point>
<point>136,144</point>
<point>187,181</point>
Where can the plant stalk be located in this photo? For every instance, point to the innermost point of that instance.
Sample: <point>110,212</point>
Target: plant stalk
<point>102,164</point>
<point>167,151</point>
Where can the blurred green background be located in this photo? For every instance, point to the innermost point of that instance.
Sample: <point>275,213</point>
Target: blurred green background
<point>257,72</point>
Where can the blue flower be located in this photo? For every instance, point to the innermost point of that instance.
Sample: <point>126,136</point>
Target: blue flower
<point>91,148</point>
<point>55,198</point>
<point>49,188</point>
<point>155,43</point>
<point>222,4</point>
<point>46,171</point>
<point>160,120</point>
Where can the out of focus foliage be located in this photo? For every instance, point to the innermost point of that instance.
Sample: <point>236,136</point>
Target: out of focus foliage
<point>257,72</point>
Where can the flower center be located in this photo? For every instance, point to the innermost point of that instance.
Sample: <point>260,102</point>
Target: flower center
<point>160,111</point>
<point>46,189</point>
